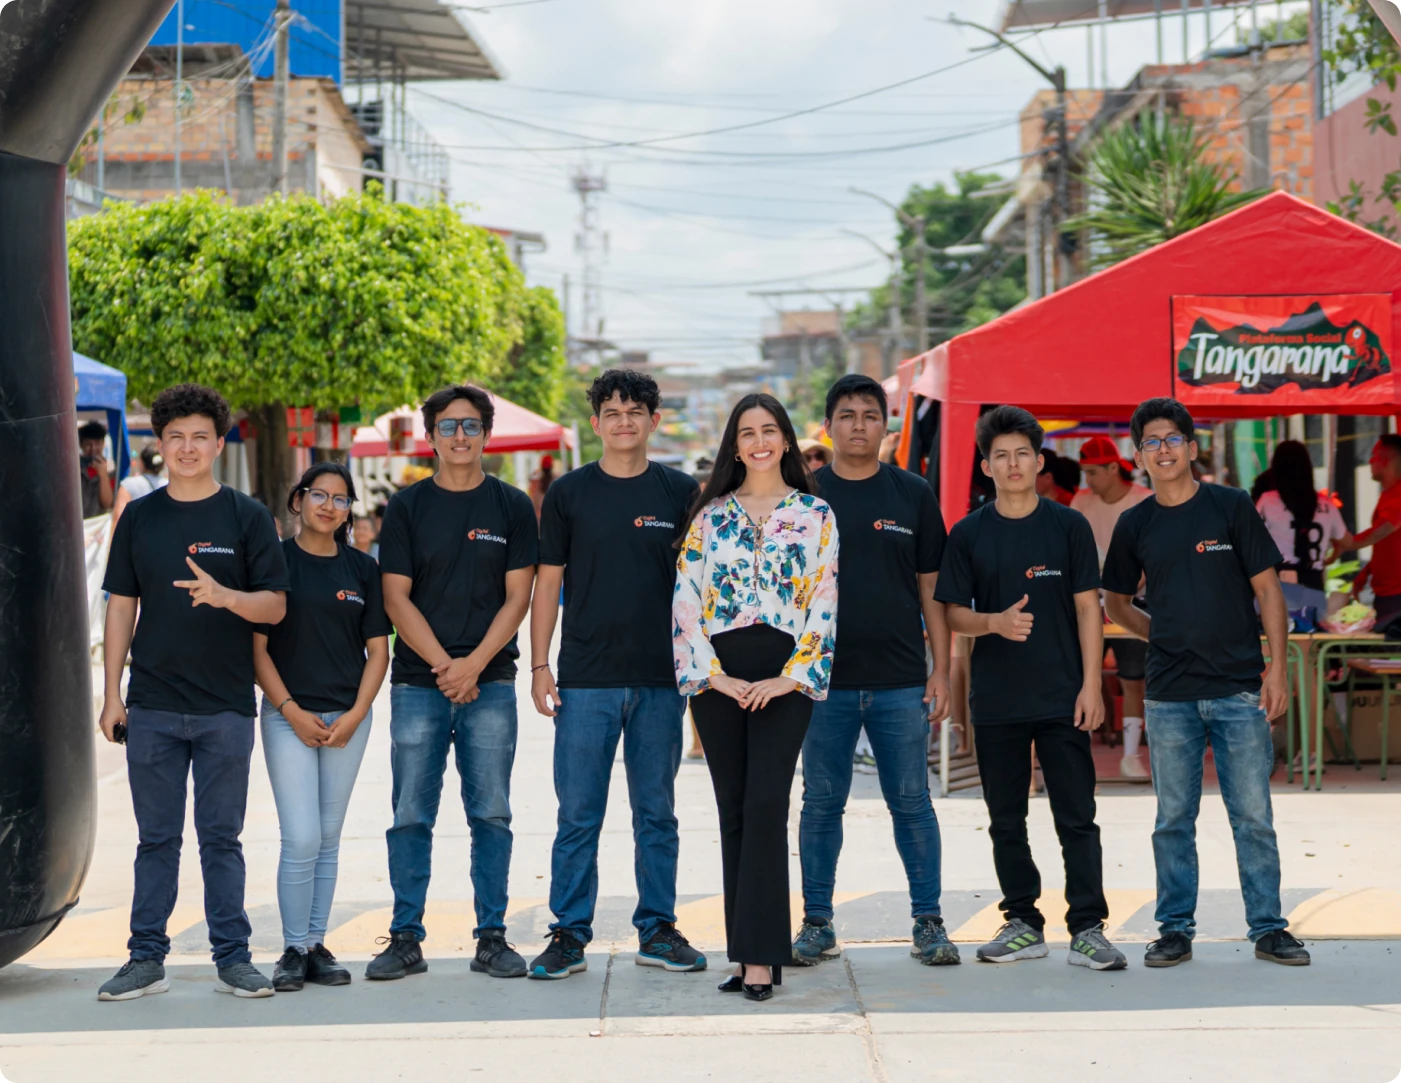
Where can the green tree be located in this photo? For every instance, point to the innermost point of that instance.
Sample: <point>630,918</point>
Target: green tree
<point>961,292</point>
<point>535,376</point>
<point>1362,45</point>
<point>1152,182</point>
<point>298,303</point>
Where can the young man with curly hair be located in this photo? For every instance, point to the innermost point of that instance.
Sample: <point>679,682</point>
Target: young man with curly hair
<point>607,534</point>
<point>204,563</point>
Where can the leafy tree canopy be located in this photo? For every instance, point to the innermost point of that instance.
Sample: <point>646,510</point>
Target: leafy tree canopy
<point>299,302</point>
<point>962,292</point>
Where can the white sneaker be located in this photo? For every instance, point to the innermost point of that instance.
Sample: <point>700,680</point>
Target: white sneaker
<point>1132,767</point>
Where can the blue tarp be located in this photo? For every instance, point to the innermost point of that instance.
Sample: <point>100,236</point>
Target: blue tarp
<point>104,388</point>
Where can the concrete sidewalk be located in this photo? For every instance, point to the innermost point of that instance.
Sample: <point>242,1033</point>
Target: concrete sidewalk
<point>874,1015</point>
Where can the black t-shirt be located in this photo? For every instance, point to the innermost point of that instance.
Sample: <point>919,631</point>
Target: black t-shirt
<point>615,538</point>
<point>891,531</point>
<point>333,607</point>
<point>1199,557</point>
<point>186,658</point>
<point>989,563</point>
<point>457,549</point>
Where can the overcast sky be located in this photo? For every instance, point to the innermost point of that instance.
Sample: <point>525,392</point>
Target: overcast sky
<point>692,223</point>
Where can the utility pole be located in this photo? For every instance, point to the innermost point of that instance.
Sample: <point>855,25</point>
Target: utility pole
<point>283,19</point>
<point>919,255</point>
<point>1061,125</point>
<point>179,84</point>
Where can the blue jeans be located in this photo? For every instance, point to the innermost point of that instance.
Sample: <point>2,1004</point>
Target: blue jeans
<point>1240,740</point>
<point>162,749</point>
<point>311,787</point>
<point>897,725</point>
<point>587,728</point>
<point>422,724</point>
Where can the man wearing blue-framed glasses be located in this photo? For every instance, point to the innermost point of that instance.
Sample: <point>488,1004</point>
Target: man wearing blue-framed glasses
<point>457,553</point>
<point>1207,559</point>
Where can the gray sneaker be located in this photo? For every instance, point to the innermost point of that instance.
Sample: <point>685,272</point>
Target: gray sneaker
<point>136,978</point>
<point>1016,940</point>
<point>816,941</point>
<point>932,945</point>
<point>242,980</point>
<point>1092,948</point>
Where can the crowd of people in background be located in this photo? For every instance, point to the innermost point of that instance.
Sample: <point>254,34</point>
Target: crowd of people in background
<point>802,595</point>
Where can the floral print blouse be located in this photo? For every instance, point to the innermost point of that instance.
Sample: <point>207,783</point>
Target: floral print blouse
<point>733,573</point>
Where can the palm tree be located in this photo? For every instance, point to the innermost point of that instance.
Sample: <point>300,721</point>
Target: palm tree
<point>1151,182</point>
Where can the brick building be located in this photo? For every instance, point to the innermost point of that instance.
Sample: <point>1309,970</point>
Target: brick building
<point>225,133</point>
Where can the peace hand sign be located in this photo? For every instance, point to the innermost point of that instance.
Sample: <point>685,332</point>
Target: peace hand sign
<point>203,589</point>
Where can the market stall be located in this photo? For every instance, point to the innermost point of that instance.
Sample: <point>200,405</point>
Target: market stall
<point>1277,308</point>
<point>98,387</point>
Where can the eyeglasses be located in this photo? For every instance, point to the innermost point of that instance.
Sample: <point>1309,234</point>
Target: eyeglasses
<point>1152,444</point>
<point>447,428</point>
<point>317,497</point>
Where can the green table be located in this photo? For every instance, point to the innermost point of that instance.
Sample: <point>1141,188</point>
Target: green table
<point>1326,647</point>
<point>1372,667</point>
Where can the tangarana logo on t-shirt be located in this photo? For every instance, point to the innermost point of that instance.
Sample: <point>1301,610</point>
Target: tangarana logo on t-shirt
<point>199,548</point>
<point>349,596</point>
<point>482,534</point>
<point>652,520</point>
<point>1213,546</point>
<point>891,524</point>
<point>1040,571</point>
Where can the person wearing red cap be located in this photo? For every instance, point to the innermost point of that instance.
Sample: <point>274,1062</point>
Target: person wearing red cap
<point>1112,492</point>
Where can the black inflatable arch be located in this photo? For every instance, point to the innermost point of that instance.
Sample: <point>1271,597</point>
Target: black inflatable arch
<point>59,61</point>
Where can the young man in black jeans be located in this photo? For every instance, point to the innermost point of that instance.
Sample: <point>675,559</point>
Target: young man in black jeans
<point>607,534</point>
<point>204,562</point>
<point>1022,574</point>
<point>1208,560</point>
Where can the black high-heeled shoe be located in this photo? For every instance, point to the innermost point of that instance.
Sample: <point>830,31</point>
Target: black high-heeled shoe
<point>733,984</point>
<point>764,992</point>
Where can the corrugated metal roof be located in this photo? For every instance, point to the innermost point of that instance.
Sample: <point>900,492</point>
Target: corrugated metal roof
<point>1027,14</point>
<point>413,39</point>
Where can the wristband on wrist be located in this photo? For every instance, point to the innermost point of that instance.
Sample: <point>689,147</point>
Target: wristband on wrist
<point>545,665</point>
<point>284,703</point>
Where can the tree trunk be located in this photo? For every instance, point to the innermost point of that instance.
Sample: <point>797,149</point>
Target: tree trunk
<point>275,463</point>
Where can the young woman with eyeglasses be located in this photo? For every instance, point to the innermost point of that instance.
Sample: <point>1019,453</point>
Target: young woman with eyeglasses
<point>319,670</point>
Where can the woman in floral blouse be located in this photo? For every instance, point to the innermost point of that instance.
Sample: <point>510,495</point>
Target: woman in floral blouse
<point>754,623</point>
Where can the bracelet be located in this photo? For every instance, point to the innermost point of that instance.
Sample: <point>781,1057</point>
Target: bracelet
<point>545,665</point>
<point>284,703</point>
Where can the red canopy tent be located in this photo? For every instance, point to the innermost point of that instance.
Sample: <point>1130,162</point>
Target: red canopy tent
<point>1277,308</point>
<point>514,428</point>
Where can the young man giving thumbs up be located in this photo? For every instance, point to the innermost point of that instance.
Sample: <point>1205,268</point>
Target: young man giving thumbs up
<point>1022,573</point>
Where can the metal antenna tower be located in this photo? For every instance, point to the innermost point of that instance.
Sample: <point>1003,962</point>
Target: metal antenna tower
<point>592,245</point>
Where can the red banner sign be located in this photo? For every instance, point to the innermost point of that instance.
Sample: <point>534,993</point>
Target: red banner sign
<point>1299,353</point>
<point>301,426</point>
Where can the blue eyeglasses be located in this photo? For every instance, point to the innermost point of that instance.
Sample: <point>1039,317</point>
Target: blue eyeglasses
<point>447,428</point>
<point>1152,444</point>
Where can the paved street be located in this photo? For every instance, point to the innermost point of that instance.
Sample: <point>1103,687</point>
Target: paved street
<point>873,1015</point>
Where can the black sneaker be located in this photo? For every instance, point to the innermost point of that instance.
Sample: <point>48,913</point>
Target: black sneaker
<point>322,968</point>
<point>563,956</point>
<point>402,957</point>
<point>289,974</point>
<point>497,958</point>
<point>816,941</point>
<point>136,978</point>
<point>668,949</point>
<point>1168,950</point>
<point>1283,947</point>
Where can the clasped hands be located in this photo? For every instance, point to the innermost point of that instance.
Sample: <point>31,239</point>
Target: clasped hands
<point>753,695</point>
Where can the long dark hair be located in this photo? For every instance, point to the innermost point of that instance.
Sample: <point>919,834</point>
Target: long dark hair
<point>728,474</point>
<point>1292,472</point>
<point>315,471</point>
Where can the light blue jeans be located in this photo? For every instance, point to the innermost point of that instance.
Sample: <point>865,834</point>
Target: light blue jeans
<point>311,787</point>
<point>1178,733</point>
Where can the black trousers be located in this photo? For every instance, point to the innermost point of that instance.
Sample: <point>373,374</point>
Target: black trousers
<point>752,756</point>
<point>1004,761</point>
